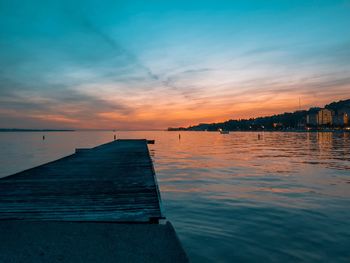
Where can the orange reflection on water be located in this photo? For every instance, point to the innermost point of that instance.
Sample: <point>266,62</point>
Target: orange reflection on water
<point>279,167</point>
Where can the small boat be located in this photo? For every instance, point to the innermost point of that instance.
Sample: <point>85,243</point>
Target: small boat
<point>224,131</point>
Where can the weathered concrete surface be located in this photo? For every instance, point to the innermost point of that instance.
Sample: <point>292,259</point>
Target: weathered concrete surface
<point>113,182</point>
<point>97,205</point>
<point>84,242</point>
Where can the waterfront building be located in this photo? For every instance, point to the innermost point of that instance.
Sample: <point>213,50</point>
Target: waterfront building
<point>311,118</point>
<point>344,111</point>
<point>341,119</point>
<point>319,117</point>
<point>324,117</point>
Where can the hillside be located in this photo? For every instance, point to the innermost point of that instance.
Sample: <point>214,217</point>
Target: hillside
<point>287,120</point>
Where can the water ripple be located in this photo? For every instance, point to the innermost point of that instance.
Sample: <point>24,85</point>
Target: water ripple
<point>282,197</point>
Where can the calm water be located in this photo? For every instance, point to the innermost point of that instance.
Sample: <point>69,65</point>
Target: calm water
<point>233,198</point>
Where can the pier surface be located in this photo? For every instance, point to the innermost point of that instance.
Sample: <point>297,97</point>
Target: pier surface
<point>97,205</point>
<point>112,182</point>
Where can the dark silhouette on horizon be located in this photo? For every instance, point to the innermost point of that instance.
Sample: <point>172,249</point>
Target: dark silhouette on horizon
<point>299,120</point>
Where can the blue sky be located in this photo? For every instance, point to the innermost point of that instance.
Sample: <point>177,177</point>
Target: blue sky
<point>154,64</point>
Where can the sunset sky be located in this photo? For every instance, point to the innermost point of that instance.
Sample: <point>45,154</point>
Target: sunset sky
<point>154,64</point>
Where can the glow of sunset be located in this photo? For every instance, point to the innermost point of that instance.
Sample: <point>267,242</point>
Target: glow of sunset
<point>155,64</point>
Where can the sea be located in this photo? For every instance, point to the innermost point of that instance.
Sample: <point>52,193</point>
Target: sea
<point>238,197</point>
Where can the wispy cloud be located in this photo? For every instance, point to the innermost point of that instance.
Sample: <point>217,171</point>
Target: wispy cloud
<point>122,65</point>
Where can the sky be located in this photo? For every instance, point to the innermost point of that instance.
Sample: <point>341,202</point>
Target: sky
<point>131,65</point>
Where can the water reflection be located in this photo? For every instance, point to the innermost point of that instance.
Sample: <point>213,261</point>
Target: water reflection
<point>284,197</point>
<point>280,197</point>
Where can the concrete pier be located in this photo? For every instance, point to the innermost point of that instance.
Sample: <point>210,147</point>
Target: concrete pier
<point>97,205</point>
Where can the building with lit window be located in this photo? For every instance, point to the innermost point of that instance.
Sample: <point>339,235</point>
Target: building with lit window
<point>341,119</point>
<point>319,117</point>
<point>324,117</point>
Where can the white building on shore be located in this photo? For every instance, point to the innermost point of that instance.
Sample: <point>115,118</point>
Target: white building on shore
<point>320,117</point>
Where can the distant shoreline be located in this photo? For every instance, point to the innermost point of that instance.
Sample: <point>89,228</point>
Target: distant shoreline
<point>338,114</point>
<point>36,130</point>
<point>306,131</point>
